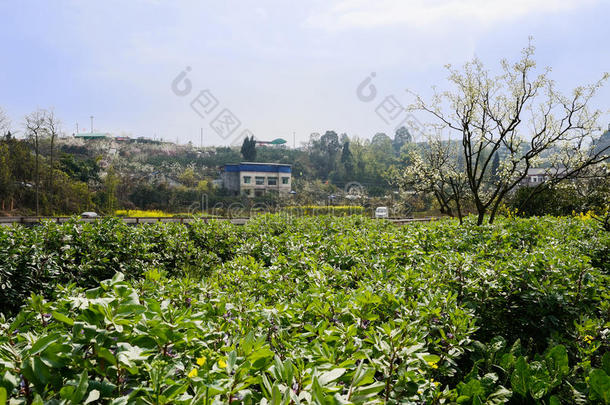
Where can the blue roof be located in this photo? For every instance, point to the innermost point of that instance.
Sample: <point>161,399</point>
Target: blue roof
<point>258,167</point>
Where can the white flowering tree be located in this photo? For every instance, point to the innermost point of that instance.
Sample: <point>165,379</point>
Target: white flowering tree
<point>4,123</point>
<point>435,170</point>
<point>520,116</point>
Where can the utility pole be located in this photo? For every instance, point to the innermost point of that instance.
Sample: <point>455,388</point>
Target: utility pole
<point>91,124</point>
<point>77,128</point>
<point>294,140</point>
<point>201,144</point>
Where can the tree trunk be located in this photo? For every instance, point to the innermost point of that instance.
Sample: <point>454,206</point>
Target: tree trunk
<point>459,210</point>
<point>481,217</point>
<point>494,210</point>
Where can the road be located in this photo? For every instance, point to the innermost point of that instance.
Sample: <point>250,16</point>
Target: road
<point>30,221</point>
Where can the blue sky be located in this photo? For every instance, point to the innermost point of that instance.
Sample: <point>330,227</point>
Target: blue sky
<point>280,67</point>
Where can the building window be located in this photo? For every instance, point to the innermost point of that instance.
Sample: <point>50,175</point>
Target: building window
<point>247,179</point>
<point>260,181</point>
<point>259,193</point>
<point>285,180</point>
<point>247,192</point>
<point>272,181</point>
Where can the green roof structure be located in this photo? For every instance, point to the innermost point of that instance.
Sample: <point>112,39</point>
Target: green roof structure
<point>93,135</point>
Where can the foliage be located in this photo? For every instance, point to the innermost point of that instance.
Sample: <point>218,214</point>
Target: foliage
<point>308,310</point>
<point>336,210</point>
<point>142,213</point>
<point>248,149</point>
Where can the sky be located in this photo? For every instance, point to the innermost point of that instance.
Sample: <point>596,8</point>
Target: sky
<point>275,69</point>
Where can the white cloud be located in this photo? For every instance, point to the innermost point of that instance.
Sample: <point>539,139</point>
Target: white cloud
<point>421,13</point>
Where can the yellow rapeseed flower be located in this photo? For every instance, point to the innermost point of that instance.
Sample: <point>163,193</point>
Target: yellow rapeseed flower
<point>432,364</point>
<point>588,338</point>
<point>193,373</point>
<point>222,363</point>
<point>201,361</point>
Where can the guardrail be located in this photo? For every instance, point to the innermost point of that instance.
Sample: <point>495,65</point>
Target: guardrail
<point>6,221</point>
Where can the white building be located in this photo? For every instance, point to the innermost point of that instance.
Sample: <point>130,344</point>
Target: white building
<point>257,179</point>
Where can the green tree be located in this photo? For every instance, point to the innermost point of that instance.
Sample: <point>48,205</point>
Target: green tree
<point>401,138</point>
<point>347,159</point>
<point>248,149</point>
<point>111,182</point>
<point>6,180</point>
<point>323,153</point>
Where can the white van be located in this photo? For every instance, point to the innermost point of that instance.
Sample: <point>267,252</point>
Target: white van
<point>381,212</point>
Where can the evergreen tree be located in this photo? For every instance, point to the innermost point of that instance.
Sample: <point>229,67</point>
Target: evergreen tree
<point>401,137</point>
<point>347,159</point>
<point>248,149</point>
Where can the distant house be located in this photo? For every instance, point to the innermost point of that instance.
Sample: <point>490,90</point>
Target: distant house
<point>257,179</point>
<point>534,177</point>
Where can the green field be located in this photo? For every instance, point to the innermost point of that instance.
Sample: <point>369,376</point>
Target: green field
<point>320,310</point>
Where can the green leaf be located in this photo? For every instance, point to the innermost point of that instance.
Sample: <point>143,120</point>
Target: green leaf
<point>519,380</point>
<point>330,376</point>
<point>317,393</point>
<point>81,388</point>
<point>369,390</point>
<point>539,380</point>
<point>497,343</point>
<point>431,358</point>
<point>2,396</point>
<point>93,396</point>
<point>500,396</point>
<point>62,318</point>
<point>557,362</point>
<point>606,362</point>
<point>600,385</point>
<point>471,389</point>
<point>8,381</point>
<point>43,343</point>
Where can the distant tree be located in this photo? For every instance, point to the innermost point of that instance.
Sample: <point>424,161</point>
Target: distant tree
<point>52,129</point>
<point>4,123</point>
<point>329,142</point>
<point>381,138</point>
<point>6,179</point>
<point>84,170</point>
<point>248,149</point>
<point>35,128</point>
<point>381,156</point>
<point>323,153</point>
<point>401,138</point>
<point>111,182</point>
<point>492,112</point>
<point>347,159</point>
<point>187,177</point>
